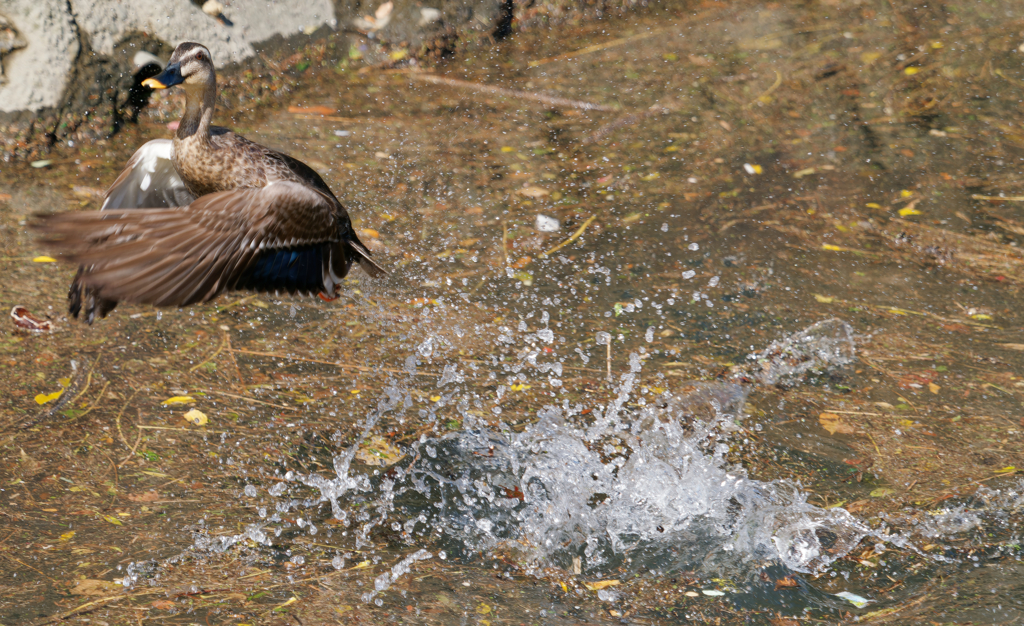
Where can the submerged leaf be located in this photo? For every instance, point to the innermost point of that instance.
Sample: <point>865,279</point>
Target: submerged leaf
<point>378,451</point>
<point>48,397</point>
<point>835,424</point>
<point>197,417</point>
<point>853,599</point>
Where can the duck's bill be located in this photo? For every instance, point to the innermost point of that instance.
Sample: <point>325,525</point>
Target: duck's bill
<point>170,77</point>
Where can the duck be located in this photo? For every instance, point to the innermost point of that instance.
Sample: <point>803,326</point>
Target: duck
<point>203,213</point>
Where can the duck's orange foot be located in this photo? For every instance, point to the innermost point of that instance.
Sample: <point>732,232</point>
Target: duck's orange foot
<point>326,298</point>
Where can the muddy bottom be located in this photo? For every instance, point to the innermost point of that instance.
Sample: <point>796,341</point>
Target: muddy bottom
<point>706,315</point>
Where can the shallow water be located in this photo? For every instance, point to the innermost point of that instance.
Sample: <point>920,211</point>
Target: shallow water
<point>781,361</point>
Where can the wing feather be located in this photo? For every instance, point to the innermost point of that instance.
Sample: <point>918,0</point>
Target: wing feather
<point>183,255</point>
<point>149,180</point>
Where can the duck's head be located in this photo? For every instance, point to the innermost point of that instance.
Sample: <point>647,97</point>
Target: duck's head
<point>190,64</point>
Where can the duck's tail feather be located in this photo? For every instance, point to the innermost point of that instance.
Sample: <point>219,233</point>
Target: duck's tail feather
<point>363,259</point>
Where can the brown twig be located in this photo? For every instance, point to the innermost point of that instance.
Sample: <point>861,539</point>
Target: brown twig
<point>92,406</point>
<point>554,101</point>
<point>70,394</point>
<point>117,481</point>
<point>574,237</point>
<point>504,245</point>
<point>28,566</point>
<point>248,399</point>
<point>628,120</point>
<point>598,47</point>
<point>135,446</point>
<point>358,368</point>
<point>238,372</point>
<point>117,420</point>
<point>608,359</point>
<point>91,606</point>
<point>223,343</point>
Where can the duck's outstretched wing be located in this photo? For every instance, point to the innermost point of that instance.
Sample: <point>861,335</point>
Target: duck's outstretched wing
<point>149,180</point>
<point>184,255</point>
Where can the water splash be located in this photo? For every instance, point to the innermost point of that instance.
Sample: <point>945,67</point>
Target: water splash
<point>821,347</point>
<point>649,491</point>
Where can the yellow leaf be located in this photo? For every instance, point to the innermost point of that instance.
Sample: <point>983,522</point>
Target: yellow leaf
<point>905,211</point>
<point>564,588</point>
<point>64,382</point>
<point>507,149</point>
<point>910,71</point>
<point>369,232</point>
<point>197,417</point>
<point>835,424</point>
<point>672,149</point>
<point>828,246</point>
<point>378,451</point>
<point>95,587</point>
<point>534,192</point>
<point>651,176</point>
<point>483,609</point>
<point>601,584</point>
<point>520,387</point>
<point>870,57</point>
<point>362,565</point>
<point>905,193</point>
<point>932,387</point>
<point>435,398</point>
<point>804,172</point>
<point>881,492</point>
<point>824,299</point>
<point>48,397</point>
<point>398,55</point>
<point>178,400</point>
<point>873,205</point>
<point>113,520</point>
<point>981,316</point>
<point>67,536</point>
<point>1009,469</point>
<point>936,45</point>
<point>44,259</point>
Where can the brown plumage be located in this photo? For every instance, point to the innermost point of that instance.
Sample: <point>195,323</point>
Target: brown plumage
<point>205,213</point>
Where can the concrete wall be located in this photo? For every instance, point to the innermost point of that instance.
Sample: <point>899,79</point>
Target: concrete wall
<point>55,31</point>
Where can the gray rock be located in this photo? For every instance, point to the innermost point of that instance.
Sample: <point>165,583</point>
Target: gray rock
<point>10,40</point>
<point>37,72</point>
<point>428,28</point>
<point>52,33</point>
<point>108,22</point>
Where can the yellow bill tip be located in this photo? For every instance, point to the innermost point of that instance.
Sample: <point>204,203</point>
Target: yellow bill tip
<point>153,83</point>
